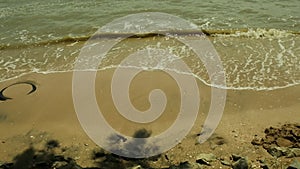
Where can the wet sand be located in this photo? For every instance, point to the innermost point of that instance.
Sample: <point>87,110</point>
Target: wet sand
<point>48,113</point>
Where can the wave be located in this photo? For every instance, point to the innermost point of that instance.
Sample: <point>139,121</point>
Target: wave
<point>227,87</point>
<point>246,32</point>
<point>254,59</point>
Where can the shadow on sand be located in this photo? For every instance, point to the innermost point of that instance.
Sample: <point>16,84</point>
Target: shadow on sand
<point>46,158</point>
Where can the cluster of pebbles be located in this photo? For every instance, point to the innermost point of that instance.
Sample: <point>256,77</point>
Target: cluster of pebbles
<point>283,141</point>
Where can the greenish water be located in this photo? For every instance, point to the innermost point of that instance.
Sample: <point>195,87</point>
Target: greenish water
<point>24,21</point>
<point>267,59</point>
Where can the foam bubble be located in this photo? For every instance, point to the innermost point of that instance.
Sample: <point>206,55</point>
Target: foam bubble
<point>259,63</point>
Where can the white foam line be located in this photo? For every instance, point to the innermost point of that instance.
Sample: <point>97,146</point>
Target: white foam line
<point>295,83</point>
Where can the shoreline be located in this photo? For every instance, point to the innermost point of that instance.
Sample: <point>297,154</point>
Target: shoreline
<point>249,67</point>
<point>241,33</point>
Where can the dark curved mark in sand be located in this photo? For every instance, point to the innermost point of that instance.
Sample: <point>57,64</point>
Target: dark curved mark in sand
<point>4,98</point>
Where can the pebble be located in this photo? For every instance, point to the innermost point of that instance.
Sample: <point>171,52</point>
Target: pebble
<point>294,165</point>
<point>186,165</point>
<point>235,157</point>
<point>278,151</point>
<point>282,142</point>
<point>256,141</point>
<point>226,163</point>
<point>241,164</point>
<point>283,151</point>
<point>136,167</point>
<point>293,152</point>
<point>205,158</point>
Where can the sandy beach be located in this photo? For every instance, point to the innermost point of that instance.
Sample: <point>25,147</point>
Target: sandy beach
<point>48,114</point>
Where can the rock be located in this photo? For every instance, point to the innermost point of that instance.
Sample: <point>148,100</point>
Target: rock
<point>294,165</point>
<point>240,164</point>
<point>270,131</point>
<point>136,167</point>
<point>226,163</point>
<point>264,166</point>
<point>278,151</point>
<point>296,152</point>
<point>283,151</point>
<point>6,166</point>
<point>287,135</point>
<point>215,141</point>
<point>235,157</point>
<point>282,142</point>
<point>256,142</point>
<point>293,152</point>
<point>59,164</point>
<point>269,139</point>
<point>186,165</point>
<point>205,158</point>
<point>297,133</point>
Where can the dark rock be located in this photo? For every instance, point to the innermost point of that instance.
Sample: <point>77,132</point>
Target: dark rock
<point>270,131</point>
<point>288,135</point>
<point>294,165</point>
<point>52,144</point>
<point>240,164</point>
<point>98,154</point>
<point>297,133</point>
<point>264,166</point>
<point>235,157</point>
<point>256,141</point>
<point>278,151</point>
<point>6,166</point>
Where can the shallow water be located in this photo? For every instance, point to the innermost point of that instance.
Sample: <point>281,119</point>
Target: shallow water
<point>33,21</point>
<point>257,63</point>
<point>260,52</point>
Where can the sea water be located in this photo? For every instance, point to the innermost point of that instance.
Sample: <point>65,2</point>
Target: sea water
<point>258,41</point>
